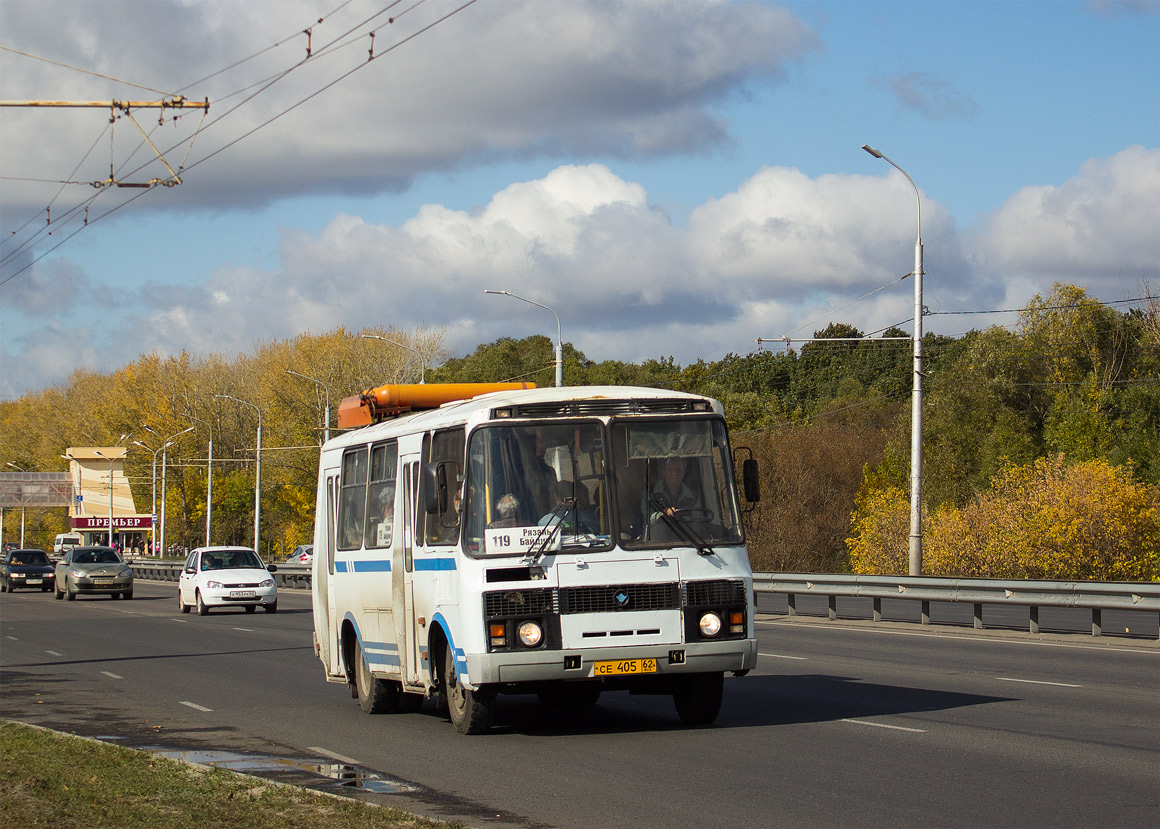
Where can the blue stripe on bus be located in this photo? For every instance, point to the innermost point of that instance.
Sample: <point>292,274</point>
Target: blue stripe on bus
<point>377,566</point>
<point>434,564</point>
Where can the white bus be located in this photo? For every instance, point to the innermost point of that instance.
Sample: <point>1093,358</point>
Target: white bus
<point>560,542</point>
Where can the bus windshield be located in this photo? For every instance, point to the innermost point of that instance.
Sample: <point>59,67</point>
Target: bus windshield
<point>674,483</point>
<point>536,488</point>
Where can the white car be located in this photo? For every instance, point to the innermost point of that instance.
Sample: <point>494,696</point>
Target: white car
<point>226,577</point>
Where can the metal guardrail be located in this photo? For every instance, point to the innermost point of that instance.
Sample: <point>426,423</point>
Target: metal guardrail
<point>286,575</point>
<point>1094,595</point>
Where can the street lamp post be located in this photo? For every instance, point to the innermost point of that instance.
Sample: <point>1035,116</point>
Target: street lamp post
<point>153,514</point>
<point>22,469</point>
<point>208,478</point>
<point>166,443</point>
<point>422,359</point>
<point>916,400</point>
<point>326,391</point>
<point>559,339</point>
<point>109,458</point>
<point>257,469</point>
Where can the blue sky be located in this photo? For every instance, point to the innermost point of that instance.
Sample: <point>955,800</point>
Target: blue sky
<point>675,178</point>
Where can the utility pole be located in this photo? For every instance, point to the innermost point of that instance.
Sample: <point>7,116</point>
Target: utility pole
<point>172,102</point>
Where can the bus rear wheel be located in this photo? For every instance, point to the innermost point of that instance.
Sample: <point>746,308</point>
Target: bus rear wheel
<point>470,711</point>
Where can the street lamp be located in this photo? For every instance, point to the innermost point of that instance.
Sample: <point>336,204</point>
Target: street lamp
<point>422,359</point>
<point>109,458</point>
<point>559,340</point>
<point>153,514</point>
<point>257,469</point>
<point>916,400</point>
<point>165,444</point>
<point>22,469</point>
<point>208,478</point>
<point>326,426</point>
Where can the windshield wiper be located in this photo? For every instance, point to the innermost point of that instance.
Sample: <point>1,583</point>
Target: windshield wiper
<point>680,527</point>
<point>555,520</point>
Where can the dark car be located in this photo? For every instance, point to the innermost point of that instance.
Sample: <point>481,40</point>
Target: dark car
<point>93,570</point>
<point>26,568</point>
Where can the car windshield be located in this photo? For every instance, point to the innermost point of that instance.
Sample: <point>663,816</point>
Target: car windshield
<point>96,557</point>
<point>231,560</point>
<point>34,557</point>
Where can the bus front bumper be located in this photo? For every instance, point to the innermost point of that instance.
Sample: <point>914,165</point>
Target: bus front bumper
<point>640,662</point>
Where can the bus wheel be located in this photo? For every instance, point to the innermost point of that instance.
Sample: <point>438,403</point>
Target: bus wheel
<point>698,699</point>
<point>470,711</point>
<point>375,696</point>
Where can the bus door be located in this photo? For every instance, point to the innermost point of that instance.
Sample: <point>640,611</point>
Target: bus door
<point>326,632</point>
<point>404,568</point>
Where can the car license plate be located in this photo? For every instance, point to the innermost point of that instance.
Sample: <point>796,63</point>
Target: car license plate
<point>243,594</point>
<point>624,666</point>
<point>103,579</point>
<point>33,581</point>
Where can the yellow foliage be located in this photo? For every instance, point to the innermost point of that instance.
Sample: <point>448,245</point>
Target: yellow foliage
<point>1043,520</point>
<point>881,532</point>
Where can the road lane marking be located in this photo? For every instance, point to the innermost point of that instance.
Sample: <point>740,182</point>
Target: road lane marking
<point>54,653</point>
<point>180,621</point>
<point>1038,682</point>
<point>112,675</point>
<point>333,755</point>
<point>245,630</point>
<point>13,638</point>
<point>195,706</point>
<point>781,656</point>
<point>884,725</point>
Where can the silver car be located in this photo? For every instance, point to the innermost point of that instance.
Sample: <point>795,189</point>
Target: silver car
<point>93,570</point>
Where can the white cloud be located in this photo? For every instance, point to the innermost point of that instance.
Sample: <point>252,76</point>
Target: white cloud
<point>1098,229</point>
<point>514,79</point>
<point>784,252</point>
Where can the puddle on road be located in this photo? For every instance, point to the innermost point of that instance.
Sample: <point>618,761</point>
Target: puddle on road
<point>339,774</point>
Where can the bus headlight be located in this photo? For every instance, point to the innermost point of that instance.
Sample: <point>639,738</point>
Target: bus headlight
<point>710,624</point>
<point>531,634</point>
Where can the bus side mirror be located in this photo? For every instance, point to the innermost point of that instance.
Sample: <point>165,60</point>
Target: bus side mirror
<point>750,480</point>
<point>435,490</point>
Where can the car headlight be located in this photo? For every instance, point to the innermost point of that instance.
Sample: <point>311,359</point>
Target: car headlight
<point>127,573</point>
<point>710,624</point>
<point>78,574</point>
<point>214,585</point>
<point>531,634</point>
<point>266,583</point>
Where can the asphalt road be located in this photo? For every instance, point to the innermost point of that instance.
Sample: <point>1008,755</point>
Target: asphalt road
<point>841,724</point>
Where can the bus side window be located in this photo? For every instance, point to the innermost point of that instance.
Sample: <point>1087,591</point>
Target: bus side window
<point>445,447</point>
<point>352,501</point>
<point>380,522</point>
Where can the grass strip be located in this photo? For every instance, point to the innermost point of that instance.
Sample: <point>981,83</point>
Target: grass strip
<point>49,779</point>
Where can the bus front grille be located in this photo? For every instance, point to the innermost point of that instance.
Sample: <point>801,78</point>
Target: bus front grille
<point>612,598</point>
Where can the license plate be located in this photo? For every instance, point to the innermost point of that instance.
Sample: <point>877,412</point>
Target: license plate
<point>33,581</point>
<point>243,594</point>
<point>103,579</point>
<point>624,666</point>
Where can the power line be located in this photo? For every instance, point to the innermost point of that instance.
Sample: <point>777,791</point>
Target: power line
<point>330,47</point>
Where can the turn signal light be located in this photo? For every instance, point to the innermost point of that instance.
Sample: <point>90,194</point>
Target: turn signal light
<point>737,621</point>
<point>498,633</point>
